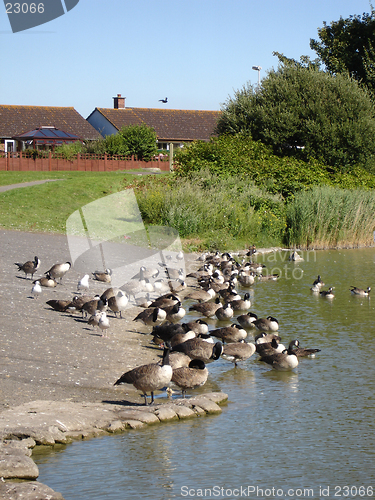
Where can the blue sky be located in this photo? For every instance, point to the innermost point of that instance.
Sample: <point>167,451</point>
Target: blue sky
<point>195,52</point>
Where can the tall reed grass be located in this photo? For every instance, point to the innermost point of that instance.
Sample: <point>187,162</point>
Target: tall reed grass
<point>326,217</point>
<point>214,212</point>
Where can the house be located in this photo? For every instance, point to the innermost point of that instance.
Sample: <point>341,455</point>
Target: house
<point>17,120</point>
<point>172,126</point>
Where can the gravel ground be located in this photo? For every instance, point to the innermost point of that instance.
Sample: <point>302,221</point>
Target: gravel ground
<point>48,355</point>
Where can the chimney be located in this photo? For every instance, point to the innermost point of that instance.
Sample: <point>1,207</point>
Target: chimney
<point>119,102</point>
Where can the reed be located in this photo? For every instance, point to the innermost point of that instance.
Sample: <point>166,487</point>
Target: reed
<point>326,217</point>
<point>217,212</point>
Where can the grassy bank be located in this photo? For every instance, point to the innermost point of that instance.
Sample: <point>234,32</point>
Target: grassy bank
<point>208,211</point>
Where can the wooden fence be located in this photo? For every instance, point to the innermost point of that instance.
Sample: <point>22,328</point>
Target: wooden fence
<point>87,163</point>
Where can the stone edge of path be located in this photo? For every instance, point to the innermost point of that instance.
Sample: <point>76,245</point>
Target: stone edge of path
<point>47,423</point>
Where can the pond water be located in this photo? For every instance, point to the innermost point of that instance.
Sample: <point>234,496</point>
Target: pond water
<point>303,434</point>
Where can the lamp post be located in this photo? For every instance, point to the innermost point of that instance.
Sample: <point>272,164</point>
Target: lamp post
<point>258,68</point>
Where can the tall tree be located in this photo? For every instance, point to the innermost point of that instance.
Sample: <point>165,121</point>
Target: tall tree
<point>301,110</point>
<point>348,46</point>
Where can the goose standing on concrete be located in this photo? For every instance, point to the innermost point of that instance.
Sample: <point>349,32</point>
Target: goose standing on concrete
<point>149,378</point>
<point>59,305</point>
<point>118,302</point>
<point>59,270</point>
<point>190,377</point>
<point>29,267</point>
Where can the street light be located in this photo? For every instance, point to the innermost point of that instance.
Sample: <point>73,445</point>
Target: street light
<point>258,68</point>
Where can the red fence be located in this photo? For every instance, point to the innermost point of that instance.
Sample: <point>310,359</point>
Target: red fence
<point>86,163</point>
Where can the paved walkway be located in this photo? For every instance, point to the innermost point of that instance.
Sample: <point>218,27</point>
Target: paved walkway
<point>26,184</point>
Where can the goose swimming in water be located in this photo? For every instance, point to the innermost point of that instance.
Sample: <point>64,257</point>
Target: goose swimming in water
<point>359,291</point>
<point>269,324</point>
<point>150,377</point>
<point>284,361</point>
<point>302,351</point>
<point>328,294</point>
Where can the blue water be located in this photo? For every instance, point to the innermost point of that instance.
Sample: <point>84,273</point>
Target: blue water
<point>303,434</point>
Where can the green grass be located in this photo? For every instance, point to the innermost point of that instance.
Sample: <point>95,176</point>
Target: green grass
<point>46,207</point>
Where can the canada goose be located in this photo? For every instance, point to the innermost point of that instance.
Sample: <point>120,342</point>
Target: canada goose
<point>201,295</point>
<point>59,270</point>
<point>164,101</point>
<point>179,338</point>
<point>224,313</point>
<point>269,348</point>
<point>109,292</point>
<point>318,281</point>
<point>174,274</point>
<point>246,279</point>
<point>241,304</point>
<point>59,305</point>
<point>151,316</point>
<point>78,301</point>
<point>268,324</point>
<point>89,307</point>
<point>83,283</point>
<point>47,282</point>
<point>178,359</point>
<point>175,312</point>
<point>238,351</point>
<point>229,294</point>
<point>29,267</point>
<point>36,289</point>
<point>177,286</point>
<point>146,273</point>
<point>198,348</point>
<point>268,277</point>
<point>144,301</point>
<point>132,287</point>
<point>149,378</point>
<point>198,326</point>
<point>294,256</point>
<point>166,300</point>
<point>286,360</point>
<point>105,277</point>
<point>301,351</point>
<point>247,320</point>
<point>264,337</point>
<point>360,291</point>
<point>118,303</point>
<point>252,251</point>
<point>103,323</point>
<point>166,331</point>
<point>232,333</point>
<point>328,294</point>
<point>208,309</point>
<point>190,377</point>
<point>161,286</point>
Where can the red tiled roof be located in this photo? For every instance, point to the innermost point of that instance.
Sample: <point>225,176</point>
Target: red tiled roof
<point>169,124</point>
<point>15,120</point>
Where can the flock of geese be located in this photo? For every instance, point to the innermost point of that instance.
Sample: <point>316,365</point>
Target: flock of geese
<point>188,347</point>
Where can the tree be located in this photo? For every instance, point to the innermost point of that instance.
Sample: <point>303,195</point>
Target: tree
<point>348,46</point>
<point>303,111</point>
<point>140,141</point>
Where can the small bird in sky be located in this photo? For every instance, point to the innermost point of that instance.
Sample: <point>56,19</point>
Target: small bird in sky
<point>164,100</point>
